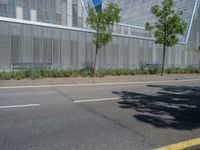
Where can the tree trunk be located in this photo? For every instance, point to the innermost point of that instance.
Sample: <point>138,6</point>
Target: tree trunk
<point>163,60</point>
<point>95,60</point>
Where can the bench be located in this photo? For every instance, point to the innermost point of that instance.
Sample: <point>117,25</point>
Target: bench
<point>31,66</point>
<point>153,66</point>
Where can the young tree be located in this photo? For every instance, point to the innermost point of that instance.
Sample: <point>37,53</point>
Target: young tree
<point>101,22</point>
<point>167,27</point>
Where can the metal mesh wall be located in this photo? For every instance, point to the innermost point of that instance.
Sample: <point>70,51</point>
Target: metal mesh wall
<point>62,12</point>
<point>48,45</point>
<point>138,12</point>
<point>74,49</point>
<point>37,44</point>
<point>20,43</point>
<point>56,48</point>
<point>82,55</point>
<point>65,49</point>
<point>5,46</point>
<point>16,41</point>
<point>27,49</point>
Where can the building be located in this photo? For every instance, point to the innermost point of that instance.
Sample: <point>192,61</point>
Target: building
<point>34,32</point>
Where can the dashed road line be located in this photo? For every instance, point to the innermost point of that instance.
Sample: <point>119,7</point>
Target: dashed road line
<point>97,100</point>
<point>18,106</point>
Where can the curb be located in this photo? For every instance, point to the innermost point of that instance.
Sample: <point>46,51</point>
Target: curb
<point>99,84</point>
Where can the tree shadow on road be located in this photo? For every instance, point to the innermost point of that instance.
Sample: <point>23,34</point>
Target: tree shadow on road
<point>176,107</point>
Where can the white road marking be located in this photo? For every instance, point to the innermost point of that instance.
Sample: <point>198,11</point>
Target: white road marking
<point>18,106</point>
<point>97,100</point>
<point>99,84</point>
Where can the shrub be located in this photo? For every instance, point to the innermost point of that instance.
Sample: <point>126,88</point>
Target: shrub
<point>75,73</point>
<point>66,73</point>
<point>18,75</point>
<point>27,73</point>
<point>99,74</point>
<point>153,71</point>
<point>5,75</point>
<point>86,73</point>
<point>35,74</point>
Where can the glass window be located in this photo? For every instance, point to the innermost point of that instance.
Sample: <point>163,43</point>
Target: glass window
<point>40,4</point>
<point>11,11</point>
<point>52,11</point>
<point>39,15</point>
<point>33,4</point>
<point>26,10</point>
<point>46,16</point>
<point>11,2</point>
<point>3,10</point>
<point>46,5</point>
<point>119,29</point>
<point>75,13</point>
<point>26,13</point>
<point>125,30</point>
<point>58,18</point>
<point>26,4</point>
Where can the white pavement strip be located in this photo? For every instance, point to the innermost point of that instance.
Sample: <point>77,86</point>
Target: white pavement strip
<point>97,100</point>
<point>99,84</point>
<point>18,106</point>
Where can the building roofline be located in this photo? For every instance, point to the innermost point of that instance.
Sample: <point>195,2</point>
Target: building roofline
<point>13,20</point>
<point>41,24</point>
<point>190,24</point>
<point>84,8</point>
<point>191,21</point>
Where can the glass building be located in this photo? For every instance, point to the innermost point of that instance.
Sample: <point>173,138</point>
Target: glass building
<point>54,32</point>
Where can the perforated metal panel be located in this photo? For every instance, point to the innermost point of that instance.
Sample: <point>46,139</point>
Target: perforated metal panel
<point>5,48</point>
<point>27,48</point>
<point>37,44</point>
<point>48,45</point>
<point>56,49</point>
<point>48,11</point>
<point>74,49</point>
<point>65,48</point>
<point>16,42</point>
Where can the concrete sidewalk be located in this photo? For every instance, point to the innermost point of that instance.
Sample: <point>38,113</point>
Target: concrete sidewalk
<point>89,80</point>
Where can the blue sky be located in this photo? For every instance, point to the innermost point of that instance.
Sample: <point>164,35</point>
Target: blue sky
<point>96,2</point>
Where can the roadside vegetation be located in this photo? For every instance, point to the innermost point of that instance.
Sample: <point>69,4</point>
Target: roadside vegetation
<point>102,21</point>
<point>167,28</point>
<point>44,73</point>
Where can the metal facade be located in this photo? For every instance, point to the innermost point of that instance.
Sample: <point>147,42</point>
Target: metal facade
<point>54,41</point>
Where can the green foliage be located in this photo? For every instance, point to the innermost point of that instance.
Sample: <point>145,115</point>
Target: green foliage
<point>5,75</point>
<point>35,74</point>
<point>18,75</point>
<point>101,22</point>
<point>198,49</point>
<point>168,25</point>
<point>182,70</point>
<point>44,73</point>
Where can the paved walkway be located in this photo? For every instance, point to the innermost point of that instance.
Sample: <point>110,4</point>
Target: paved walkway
<point>89,80</point>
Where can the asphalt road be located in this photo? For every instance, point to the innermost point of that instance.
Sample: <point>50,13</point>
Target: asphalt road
<point>112,117</point>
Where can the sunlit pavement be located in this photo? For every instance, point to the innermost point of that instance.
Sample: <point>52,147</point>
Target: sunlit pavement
<point>138,116</point>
